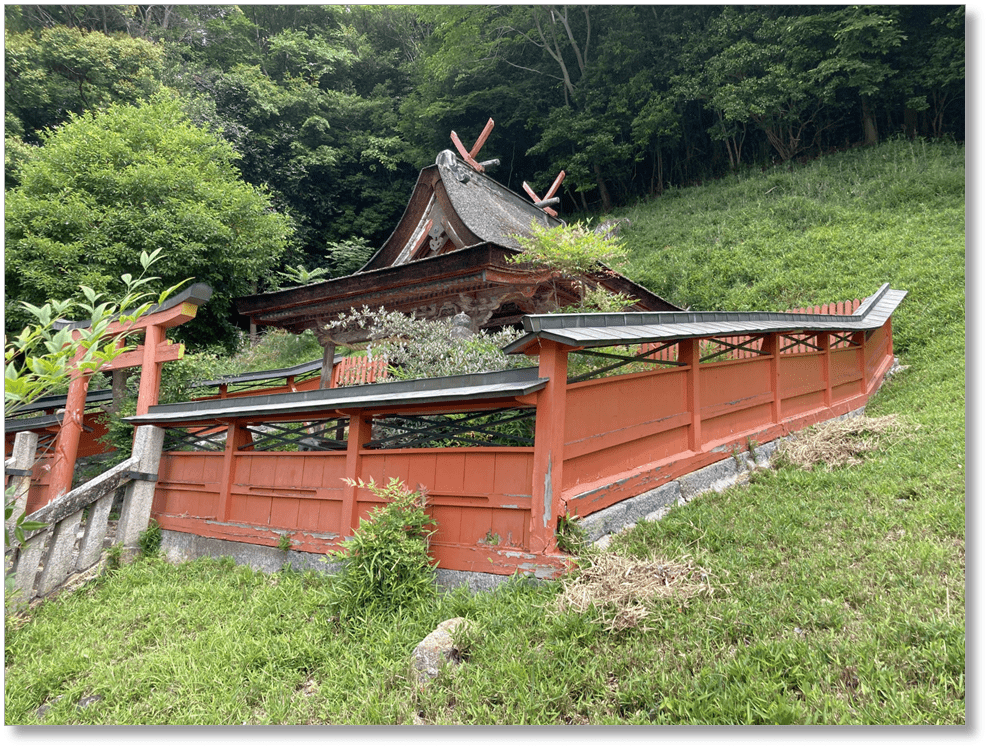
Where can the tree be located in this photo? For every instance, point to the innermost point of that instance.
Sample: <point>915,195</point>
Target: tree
<point>59,71</point>
<point>864,37</point>
<point>107,186</point>
<point>575,253</point>
<point>309,96</point>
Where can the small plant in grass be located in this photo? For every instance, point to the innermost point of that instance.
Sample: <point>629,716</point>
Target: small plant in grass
<point>149,540</point>
<point>386,562</point>
<point>113,556</point>
<point>571,538</point>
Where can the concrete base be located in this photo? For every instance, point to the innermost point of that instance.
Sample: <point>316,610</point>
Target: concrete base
<point>184,547</point>
<point>654,504</point>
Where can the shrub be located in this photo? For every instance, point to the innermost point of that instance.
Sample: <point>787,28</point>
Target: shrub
<point>415,348</point>
<point>386,562</point>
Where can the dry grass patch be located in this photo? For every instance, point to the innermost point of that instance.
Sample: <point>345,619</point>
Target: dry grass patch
<point>621,588</point>
<point>840,442</point>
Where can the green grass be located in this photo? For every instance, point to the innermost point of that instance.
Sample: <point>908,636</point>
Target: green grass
<point>839,596</point>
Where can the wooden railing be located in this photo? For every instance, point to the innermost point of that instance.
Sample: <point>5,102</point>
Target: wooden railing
<point>52,554</point>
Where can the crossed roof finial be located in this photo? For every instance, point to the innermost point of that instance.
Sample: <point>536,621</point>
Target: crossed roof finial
<point>469,156</point>
<point>548,199</point>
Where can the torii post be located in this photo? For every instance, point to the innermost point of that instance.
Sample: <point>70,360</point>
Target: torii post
<point>149,356</point>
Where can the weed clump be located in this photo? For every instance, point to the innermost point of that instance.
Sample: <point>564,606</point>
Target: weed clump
<point>386,562</point>
<point>149,539</point>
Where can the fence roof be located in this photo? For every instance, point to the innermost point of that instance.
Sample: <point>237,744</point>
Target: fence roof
<point>58,401</point>
<point>267,374</point>
<point>380,396</point>
<point>607,329</point>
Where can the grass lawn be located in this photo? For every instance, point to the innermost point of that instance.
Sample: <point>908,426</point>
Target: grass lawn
<point>836,596</point>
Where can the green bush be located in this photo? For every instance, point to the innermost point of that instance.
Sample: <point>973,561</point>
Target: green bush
<point>386,562</point>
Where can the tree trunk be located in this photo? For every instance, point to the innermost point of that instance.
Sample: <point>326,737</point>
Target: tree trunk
<point>603,190</point>
<point>910,122</point>
<point>870,133</point>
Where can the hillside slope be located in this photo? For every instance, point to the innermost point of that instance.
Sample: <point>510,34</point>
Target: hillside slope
<point>838,596</point>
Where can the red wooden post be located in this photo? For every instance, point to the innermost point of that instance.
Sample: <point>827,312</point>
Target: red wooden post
<point>824,343</point>
<point>690,354</point>
<point>358,433</point>
<point>859,339</point>
<point>237,435</point>
<point>151,364</point>
<point>547,464</point>
<point>67,443</point>
<point>771,345</point>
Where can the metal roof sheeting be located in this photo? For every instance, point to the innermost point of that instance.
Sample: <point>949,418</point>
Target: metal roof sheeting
<point>267,374</point>
<point>58,401</point>
<point>607,329</point>
<point>385,395</point>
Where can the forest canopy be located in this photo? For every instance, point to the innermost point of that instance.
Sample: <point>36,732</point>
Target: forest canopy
<point>329,112</point>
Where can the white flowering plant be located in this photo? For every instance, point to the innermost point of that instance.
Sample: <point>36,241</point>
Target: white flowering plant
<point>416,348</point>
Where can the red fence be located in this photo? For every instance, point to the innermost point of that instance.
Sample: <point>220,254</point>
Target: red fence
<point>630,433</point>
<point>497,507</point>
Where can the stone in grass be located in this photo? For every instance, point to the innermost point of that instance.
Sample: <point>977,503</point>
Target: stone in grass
<point>80,705</point>
<point>435,650</point>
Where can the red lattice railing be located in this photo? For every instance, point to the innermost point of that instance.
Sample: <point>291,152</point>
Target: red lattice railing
<point>358,370</point>
<point>739,347</point>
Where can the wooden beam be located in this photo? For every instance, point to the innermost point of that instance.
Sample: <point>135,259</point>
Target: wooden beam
<point>164,352</point>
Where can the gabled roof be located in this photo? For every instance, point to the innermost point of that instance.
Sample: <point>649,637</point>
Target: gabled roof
<point>467,207</point>
<point>609,329</point>
<point>450,247</point>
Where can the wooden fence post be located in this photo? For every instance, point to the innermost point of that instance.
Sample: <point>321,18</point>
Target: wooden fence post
<point>63,463</point>
<point>140,492</point>
<point>238,438</point>
<point>547,459</point>
<point>22,459</point>
<point>358,432</point>
<point>824,343</point>
<point>771,345</point>
<point>689,352</point>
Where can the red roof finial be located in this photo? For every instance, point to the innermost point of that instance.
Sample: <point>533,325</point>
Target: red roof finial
<point>548,199</point>
<point>469,157</point>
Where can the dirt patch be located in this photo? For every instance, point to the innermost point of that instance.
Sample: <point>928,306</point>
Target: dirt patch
<point>840,442</point>
<point>621,588</point>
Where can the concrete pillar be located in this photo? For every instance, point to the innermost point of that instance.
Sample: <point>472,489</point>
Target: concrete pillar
<point>140,493</point>
<point>25,447</point>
